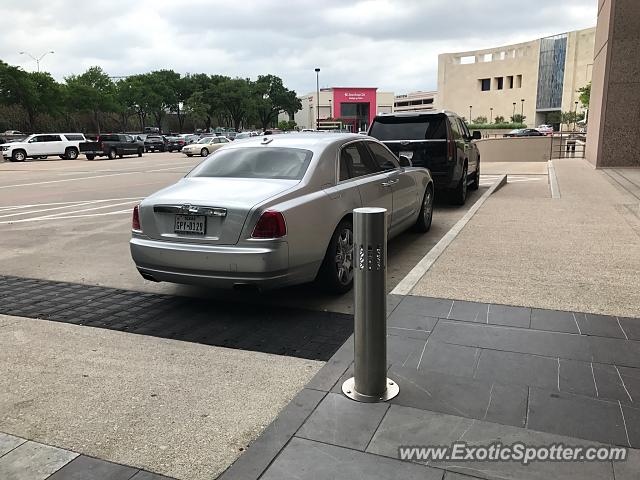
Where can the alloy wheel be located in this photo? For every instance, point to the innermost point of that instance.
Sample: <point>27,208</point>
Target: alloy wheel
<point>344,256</point>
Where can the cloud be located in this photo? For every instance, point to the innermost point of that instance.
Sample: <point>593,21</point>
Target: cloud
<point>389,44</point>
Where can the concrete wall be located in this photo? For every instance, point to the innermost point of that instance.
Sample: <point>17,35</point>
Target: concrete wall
<point>614,114</point>
<point>459,83</point>
<point>524,149</point>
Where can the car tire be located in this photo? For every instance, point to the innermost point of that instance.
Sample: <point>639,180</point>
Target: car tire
<point>336,272</point>
<point>189,154</point>
<point>90,156</point>
<point>459,194</point>
<point>475,185</point>
<point>140,150</point>
<point>71,153</point>
<point>204,152</point>
<point>112,154</point>
<point>423,223</point>
<point>18,156</point>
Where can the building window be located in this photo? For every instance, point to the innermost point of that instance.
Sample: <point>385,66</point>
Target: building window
<point>485,84</point>
<point>519,81</point>
<point>509,81</point>
<point>499,83</point>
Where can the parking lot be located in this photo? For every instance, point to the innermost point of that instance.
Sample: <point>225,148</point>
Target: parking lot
<point>65,227</point>
<point>70,221</point>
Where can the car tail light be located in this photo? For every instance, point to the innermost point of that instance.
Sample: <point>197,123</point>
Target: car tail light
<point>135,220</point>
<point>270,225</point>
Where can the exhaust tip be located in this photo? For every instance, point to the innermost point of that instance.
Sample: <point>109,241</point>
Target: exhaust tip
<point>147,276</point>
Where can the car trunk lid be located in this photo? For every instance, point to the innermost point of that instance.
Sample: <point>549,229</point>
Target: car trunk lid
<point>207,210</point>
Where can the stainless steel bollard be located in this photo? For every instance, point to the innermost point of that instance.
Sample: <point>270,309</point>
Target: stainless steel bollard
<point>370,382</point>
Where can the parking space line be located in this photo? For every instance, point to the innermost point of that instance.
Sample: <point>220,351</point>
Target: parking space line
<point>13,207</point>
<point>87,178</point>
<point>57,216</point>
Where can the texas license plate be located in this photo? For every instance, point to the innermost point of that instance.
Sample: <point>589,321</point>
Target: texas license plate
<point>190,224</point>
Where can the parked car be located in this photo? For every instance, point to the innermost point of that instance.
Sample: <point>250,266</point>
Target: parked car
<point>65,145</point>
<point>155,143</point>
<point>438,141</point>
<point>545,129</point>
<point>112,145</point>
<point>231,135</point>
<point>524,132</point>
<point>276,211</point>
<point>205,146</point>
<point>12,132</point>
<point>175,143</point>
<point>242,135</point>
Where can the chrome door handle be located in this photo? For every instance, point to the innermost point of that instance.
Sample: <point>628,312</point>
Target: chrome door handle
<point>390,182</point>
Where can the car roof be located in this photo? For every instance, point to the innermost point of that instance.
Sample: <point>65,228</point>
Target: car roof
<point>314,141</point>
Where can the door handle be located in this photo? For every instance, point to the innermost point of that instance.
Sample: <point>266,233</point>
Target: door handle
<point>390,182</point>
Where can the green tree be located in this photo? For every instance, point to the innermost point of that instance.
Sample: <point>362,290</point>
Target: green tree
<point>235,99</point>
<point>93,92</point>
<point>518,118</point>
<point>271,97</point>
<point>36,92</point>
<point>498,120</point>
<point>479,120</point>
<point>585,95</point>
<point>287,125</point>
<point>569,117</point>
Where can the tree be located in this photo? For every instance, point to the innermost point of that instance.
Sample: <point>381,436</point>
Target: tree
<point>585,95</point>
<point>518,118</point>
<point>271,97</point>
<point>479,120</point>
<point>499,119</point>
<point>286,125</point>
<point>235,99</point>
<point>159,93</point>
<point>92,92</point>
<point>35,92</point>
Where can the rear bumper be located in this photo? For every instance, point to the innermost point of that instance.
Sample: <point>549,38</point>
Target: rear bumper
<point>265,266</point>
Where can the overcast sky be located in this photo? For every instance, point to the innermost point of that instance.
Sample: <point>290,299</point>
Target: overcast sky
<point>389,44</point>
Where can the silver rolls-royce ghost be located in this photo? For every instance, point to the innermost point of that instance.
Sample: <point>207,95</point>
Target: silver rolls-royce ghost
<point>276,210</point>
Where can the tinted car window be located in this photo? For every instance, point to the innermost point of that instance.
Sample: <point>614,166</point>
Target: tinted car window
<point>384,158</point>
<point>463,129</point>
<point>424,127</point>
<point>455,129</point>
<point>108,138</point>
<point>72,138</point>
<point>276,163</point>
<point>356,162</point>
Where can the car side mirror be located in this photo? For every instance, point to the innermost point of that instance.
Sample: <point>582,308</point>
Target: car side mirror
<point>404,161</point>
<point>476,135</point>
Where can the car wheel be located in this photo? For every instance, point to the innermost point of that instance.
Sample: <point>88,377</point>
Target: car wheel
<point>90,156</point>
<point>112,153</point>
<point>18,156</point>
<point>336,272</point>
<point>140,150</point>
<point>71,154</point>
<point>189,154</point>
<point>423,224</point>
<point>476,177</point>
<point>459,194</point>
<point>204,152</point>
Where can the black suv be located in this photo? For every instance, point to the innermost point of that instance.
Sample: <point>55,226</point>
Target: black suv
<point>439,141</point>
<point>155,143</point>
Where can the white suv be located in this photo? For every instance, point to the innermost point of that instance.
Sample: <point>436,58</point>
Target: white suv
<point>66,145</point>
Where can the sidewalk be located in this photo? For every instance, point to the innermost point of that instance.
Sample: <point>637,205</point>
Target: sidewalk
<point>562,368</point>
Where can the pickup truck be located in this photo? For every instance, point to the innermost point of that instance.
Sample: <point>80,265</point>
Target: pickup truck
<point>112,145</point>
<point>439,141</point>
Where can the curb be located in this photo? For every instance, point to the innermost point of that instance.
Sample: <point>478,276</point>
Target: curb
<point>407,284</point>
<point>553,180</point>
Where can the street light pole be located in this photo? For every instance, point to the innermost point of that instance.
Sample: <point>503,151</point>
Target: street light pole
<point>37,59</point>
<point>317,98</point>
<point>522,110</point>
<point>575,116</point>
<point>514,111</point>
<point>470,106</point>
<point>490,114</point>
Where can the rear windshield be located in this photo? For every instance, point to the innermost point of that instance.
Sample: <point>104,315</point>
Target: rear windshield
<point>432,127</point>
<point>74,137</point>
<point>276,163</point>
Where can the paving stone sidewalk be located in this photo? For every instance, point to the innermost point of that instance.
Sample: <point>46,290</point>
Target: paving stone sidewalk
<point>22,459</point>
<point>467,371</point>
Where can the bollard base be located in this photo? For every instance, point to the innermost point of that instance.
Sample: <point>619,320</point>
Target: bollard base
<point>348,388</point>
